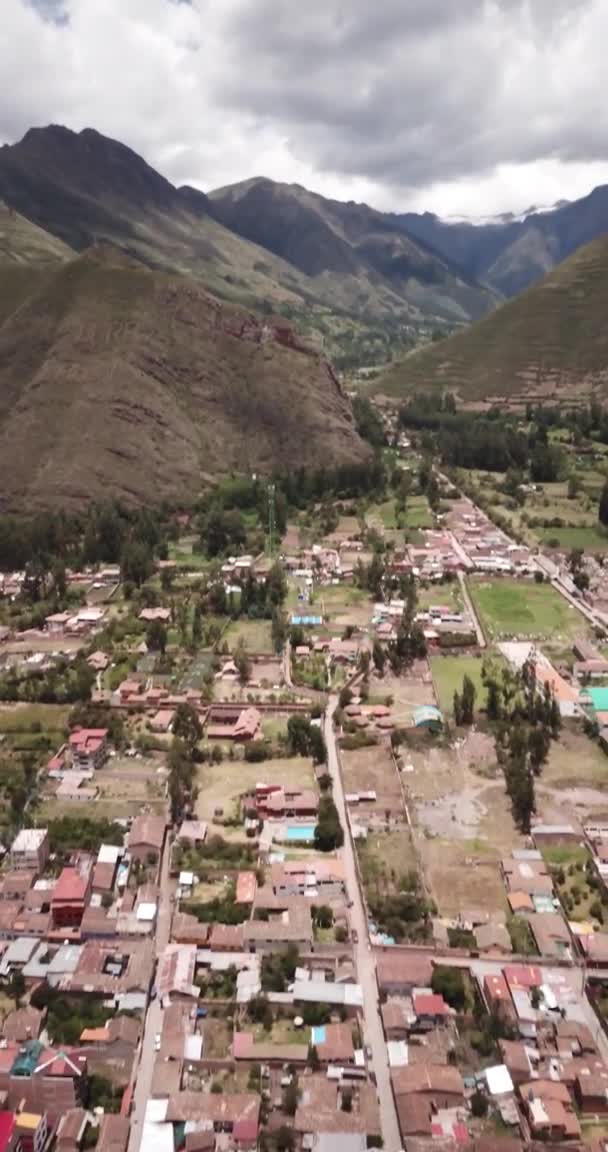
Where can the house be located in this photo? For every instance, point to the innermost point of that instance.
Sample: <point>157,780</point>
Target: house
<point>192,833</point>
<point>88,748</point>
<point>246,885</point>
<point>70,1130</point>
<point>292,926</point>
<point>146,838</point>
<point>334,1043</point>
<point>430,1010</point>
<point>320,1109</point>
<point>282,803</point>
<point>30,849</point>
<point>493,937</point>
<point>399,974</point>
<point>396,1019</point>
<point>529,876</point>
<point>98,661</point>
<point>71,895</point>
<point>42,1082</point>
<point>551,934</point>
<point>242,726</point>
<point>21,1025</point>
<point>162,720</point>
<point>148,615</point>
<point>226,938</point>
<point>56,623</point>
<point>437,1086</point>
<point>314,877</point>
<point>591,1092</point>
<point>31,1131</point>
<point>113,1134</point>
<point>549,1110</point>
<point>237,1114</point>
<point>520,1059</point>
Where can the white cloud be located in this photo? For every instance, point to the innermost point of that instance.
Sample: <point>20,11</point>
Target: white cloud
<point>454,105</point>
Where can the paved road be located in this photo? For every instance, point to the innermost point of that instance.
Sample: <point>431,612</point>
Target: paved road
<point>366,964</point>
<point>154,1016</point>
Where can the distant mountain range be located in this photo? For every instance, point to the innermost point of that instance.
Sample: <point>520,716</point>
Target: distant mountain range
<point>549,344</point>
<point>510,255</point>
<point>361,281</point>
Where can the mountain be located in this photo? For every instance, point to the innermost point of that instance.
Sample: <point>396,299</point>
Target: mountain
<point>549,344</point>
<point>360,251</point>
<point>510,255</point>
<point>23,243</point>
<point>348,276</point>
<point>119,381</point>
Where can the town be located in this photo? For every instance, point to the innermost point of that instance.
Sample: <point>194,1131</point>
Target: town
<point>304,822</point>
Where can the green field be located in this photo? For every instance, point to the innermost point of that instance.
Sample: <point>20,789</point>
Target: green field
<point>448,674</point>
<point>511,608</point>
<point>255,634</point>
<point>590,538</point>
<point>440,596</point>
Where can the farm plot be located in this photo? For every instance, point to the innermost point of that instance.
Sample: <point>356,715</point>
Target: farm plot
<point>255,634</point>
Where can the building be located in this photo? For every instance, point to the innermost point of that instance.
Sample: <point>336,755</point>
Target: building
<point>71,895</point>
<point>146,838</point>
<point>31,1131</point>
<point>399,974</point>
<point>30,849</point>
<point>88,748</point>
<point>113,1134</point>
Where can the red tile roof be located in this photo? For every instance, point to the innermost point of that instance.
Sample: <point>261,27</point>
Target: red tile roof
<point>7,1125</point>
<point>71,886</point>
<point>430,1005</point>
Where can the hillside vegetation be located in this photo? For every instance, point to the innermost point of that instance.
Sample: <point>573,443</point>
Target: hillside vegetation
<point>116,381</point>
<point>550,343</point>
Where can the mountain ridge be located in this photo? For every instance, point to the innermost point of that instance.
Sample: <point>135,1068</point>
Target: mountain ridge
<point>549,344</point>
<point>117,381</point>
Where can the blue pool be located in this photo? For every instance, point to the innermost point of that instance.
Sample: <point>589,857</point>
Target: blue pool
<point>301,832</point>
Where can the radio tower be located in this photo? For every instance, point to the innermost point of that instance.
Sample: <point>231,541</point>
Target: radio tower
<point>271,518</point>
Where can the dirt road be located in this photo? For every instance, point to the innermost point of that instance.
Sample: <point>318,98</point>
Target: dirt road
<point>365,961</point>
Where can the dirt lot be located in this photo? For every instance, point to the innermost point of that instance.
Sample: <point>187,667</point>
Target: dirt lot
<point>463,822</point>
<point>408,692</point>
<point>372,769</point>
<point>574,781</point>
<point>221,784</point>
<point>126,786</point>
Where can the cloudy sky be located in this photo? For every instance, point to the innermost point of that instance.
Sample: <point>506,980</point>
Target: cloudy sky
<point>463,107</point>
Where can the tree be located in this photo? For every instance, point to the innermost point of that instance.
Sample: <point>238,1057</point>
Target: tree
<point>156,636</point>
<point>469,693</point>
<point>379,658</point>
<point>242,662</point>
<point>449,983</point>
<point>603,505</point>
<point>457,708</point>
<point>186,725</point>
<point>16,986</point>
<point>260,1011</point>
<point>329,834</point>
<point>136,563</point>
<point>479,1105</point>
<point>181,778</point>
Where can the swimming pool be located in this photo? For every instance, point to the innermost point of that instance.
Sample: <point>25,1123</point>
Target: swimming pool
<point>301,832</point>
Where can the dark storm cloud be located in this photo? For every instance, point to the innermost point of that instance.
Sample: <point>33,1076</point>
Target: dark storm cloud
<point>415,92</point>
<point>378,99</point>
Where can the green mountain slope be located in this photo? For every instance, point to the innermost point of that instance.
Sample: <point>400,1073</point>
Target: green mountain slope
<point>119,381</point>
<point>550,343</point>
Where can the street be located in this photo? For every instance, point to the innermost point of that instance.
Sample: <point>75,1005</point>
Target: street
<point>144,1068</point>
<point>365,961</point>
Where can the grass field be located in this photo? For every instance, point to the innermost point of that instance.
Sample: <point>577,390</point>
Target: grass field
<point>588,537</point>
<point>220,785</point>
<point>256,634</point>
<point>510,608</point>
<point>448,674</point>
<point>441,596</point>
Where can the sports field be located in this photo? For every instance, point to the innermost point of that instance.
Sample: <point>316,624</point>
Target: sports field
<point>518,608</point>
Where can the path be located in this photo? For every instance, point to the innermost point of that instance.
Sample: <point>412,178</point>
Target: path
<point>365,960</point>
<point>481,640</point>
<point>144,1069</point>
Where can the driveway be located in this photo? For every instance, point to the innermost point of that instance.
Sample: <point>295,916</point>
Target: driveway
<point>364,957</point>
